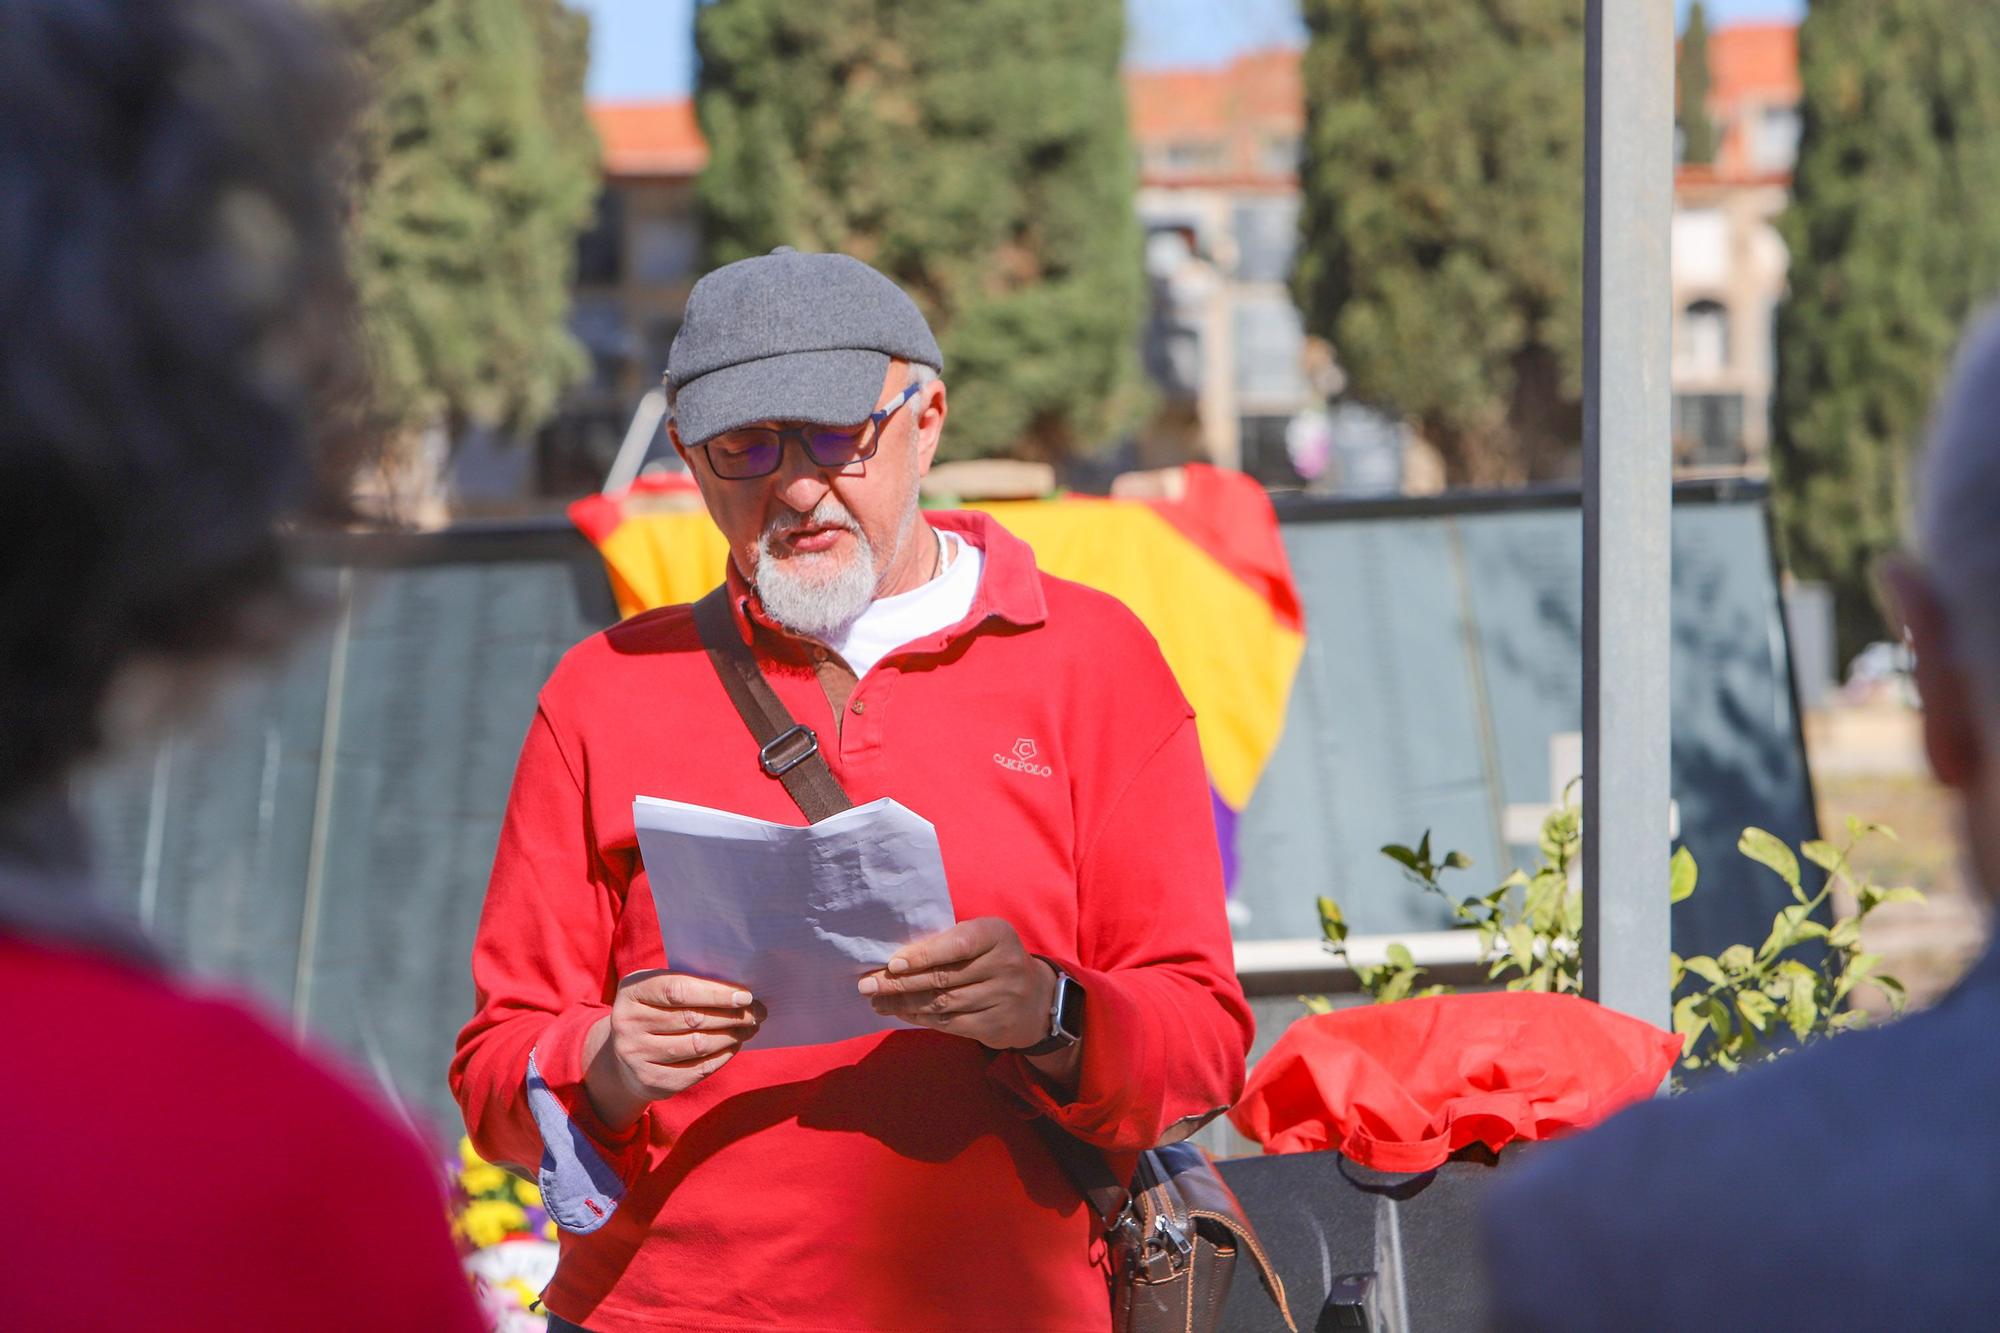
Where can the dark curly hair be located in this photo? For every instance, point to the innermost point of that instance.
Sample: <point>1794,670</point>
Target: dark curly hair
<point>175,329</point>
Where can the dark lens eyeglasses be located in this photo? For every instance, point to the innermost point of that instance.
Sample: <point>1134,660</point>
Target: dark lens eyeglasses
<point>755,451</point>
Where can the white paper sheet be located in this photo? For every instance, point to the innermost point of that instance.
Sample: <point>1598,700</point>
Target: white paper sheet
<point>794,915</point>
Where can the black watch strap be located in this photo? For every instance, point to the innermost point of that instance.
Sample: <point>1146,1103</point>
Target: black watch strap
<point>1065,1015</point>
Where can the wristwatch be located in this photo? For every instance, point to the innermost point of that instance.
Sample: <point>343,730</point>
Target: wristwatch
<point>1065,1015</point>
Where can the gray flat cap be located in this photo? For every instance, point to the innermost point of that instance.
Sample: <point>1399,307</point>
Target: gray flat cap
<point>790,337</point>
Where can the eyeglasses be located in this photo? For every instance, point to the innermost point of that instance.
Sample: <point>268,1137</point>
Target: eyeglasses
<point>756,451</point>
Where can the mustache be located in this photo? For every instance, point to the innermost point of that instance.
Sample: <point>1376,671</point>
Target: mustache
<point>828,513</point>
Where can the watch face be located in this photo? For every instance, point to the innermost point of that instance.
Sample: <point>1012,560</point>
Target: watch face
<point>1069,1007</point>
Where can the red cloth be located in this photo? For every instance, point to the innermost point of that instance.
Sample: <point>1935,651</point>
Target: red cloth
<point>1229,515</point>
<point>174,1164</point>
<point>598,516</point>
<point>890,1181</point>
<point>1401,1086</point>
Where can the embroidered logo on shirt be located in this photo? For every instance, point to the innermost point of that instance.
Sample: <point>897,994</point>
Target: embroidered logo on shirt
<point>1023,759</point>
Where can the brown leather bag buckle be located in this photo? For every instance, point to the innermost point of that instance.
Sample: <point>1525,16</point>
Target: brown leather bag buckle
<point>776,761</point>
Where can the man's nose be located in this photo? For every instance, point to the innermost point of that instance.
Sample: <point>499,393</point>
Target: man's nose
<point>802,483</point>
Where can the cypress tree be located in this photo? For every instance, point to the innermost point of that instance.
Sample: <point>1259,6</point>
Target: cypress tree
<point>977,152</point>
<point>1691,86</point>
<point>1894,231</point>
<point>1441,228</point>
<point>477,168</point>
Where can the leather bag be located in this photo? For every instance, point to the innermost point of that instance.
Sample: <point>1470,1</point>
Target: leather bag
<point>1175,1232</point>
<point>1174,1235</point>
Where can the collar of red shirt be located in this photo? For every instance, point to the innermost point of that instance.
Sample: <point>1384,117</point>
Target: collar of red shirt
<point>1010,587</point>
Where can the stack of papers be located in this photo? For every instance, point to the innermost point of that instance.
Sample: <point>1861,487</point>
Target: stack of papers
<point>796,916</point>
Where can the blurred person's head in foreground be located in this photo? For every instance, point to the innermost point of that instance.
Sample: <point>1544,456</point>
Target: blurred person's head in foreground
<point>174,309</point>
<point>176,319</point>
<point>1948,598</point>
<point>808,406</point>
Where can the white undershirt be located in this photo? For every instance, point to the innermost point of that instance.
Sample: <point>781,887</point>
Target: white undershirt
<point>891,622</point>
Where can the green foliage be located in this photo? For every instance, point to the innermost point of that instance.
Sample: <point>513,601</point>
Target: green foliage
<point>1894,233</point>
<point>1697,130</point>
<point>977,152</point>
<point>1750,999</point>
<point>1734,1009</point>
<point>1441,227</point>
<point>477,168</point>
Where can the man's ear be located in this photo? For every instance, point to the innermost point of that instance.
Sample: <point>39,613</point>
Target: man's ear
<point>930,424</point>
<point>1951,724</point>
<point>674,437</point>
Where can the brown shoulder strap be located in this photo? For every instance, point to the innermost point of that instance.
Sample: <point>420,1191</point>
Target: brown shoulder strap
<point>790,753</point>
<point>1087,1170</point>
<point>786,750</point>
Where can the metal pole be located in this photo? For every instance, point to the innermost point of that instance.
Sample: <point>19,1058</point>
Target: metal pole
<point>638,442</point>
<point>1627,502</point>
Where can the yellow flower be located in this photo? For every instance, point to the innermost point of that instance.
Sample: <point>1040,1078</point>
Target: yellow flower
<point>519,1289</point>
<point>468,1155</point>
<point>487,1221</point>
<point>482,1180</point>
<point>548,1230</point>
<point>527,1195</point>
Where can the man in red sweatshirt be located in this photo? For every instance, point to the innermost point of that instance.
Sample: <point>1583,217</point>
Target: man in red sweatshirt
<point>891,1181</point>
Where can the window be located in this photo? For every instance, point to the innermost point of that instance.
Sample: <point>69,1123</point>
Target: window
<point>1270,350</point>
<point>1177,155</point>
<point>599,324</point>
<point>1703,345</point>
<point>600,251</point>
<point>1708,429</point>
<point>1774,138</point>
<point>664,250</point>
<point>1266,232</point>
<point>1280,153</point>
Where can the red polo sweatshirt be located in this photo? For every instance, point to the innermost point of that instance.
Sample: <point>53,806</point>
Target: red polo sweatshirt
<point>174,1164</point>
<point>892,1181</point>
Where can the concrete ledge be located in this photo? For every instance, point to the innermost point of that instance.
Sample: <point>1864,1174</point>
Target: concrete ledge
<point>1283,967</point>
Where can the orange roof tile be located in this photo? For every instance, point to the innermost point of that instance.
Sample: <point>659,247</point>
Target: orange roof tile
<point>650,138</point>
<point>1262,89</point>
<point>1169,104</point>
<point>1232,111</point>
<point>1260,92</point>
<point>1753,60</point>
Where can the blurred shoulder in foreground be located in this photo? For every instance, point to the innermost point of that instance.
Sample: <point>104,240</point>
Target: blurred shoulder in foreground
<point>1855,1184</point>
<point>178,346</point>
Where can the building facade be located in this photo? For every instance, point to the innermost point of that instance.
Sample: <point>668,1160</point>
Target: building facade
<point>635,267</point>
<point>1219,198</point>
<point>1239,383</point>
<point>1729,262</point>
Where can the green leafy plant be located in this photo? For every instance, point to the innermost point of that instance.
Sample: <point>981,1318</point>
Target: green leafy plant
<point>1748,997</point>
<point>1734,1008</point>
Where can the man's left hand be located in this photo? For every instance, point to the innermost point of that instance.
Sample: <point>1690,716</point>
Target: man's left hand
<point>974,980</point>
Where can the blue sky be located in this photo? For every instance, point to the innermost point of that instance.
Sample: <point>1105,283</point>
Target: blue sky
<point>642,48</point>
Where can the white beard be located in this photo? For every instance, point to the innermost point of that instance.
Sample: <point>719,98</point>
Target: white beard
<point>808,593</point>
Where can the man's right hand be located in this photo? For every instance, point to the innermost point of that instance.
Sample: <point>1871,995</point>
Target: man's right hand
<point>666,1032</point>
